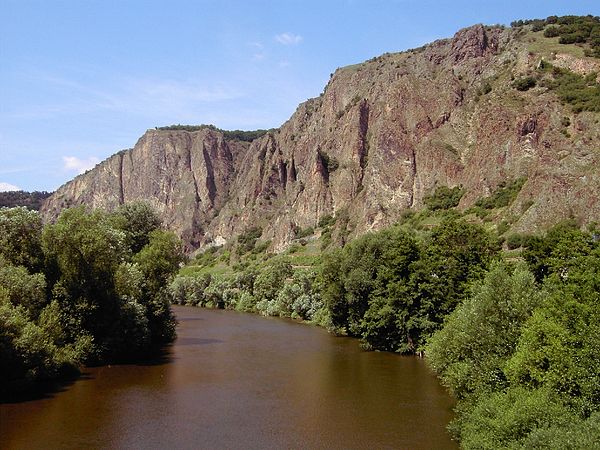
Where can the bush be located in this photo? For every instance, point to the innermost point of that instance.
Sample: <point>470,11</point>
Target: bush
<point>444,197</point>
<point>326,221</point>
<point>514,241</point>
<point>581,92</point>
<point>504,195</point>
<point>524,84</point>
<point>551,32</point>
<point>247,240</point>
<point>80,293</point>
<point>239,135</point>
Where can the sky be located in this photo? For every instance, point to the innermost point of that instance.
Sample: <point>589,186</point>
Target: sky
<point>83,79</point>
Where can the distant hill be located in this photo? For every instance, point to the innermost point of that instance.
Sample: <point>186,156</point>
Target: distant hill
<point>32,200</point>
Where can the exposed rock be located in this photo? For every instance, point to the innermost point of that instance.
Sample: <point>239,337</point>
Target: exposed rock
<point>380,138</point>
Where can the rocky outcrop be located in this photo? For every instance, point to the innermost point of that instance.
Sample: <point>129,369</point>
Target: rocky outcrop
<point>379,139</point>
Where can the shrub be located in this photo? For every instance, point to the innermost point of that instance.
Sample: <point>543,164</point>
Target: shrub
<point>524,84</point>
<point>514,241</point>
<point>504,195</point>
<point>247,240</point>
<point>444,197</point>
<point>326,221</point>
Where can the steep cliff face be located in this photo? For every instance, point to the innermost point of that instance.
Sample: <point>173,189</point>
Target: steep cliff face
<point>185,176</point>
<point>379,139</point>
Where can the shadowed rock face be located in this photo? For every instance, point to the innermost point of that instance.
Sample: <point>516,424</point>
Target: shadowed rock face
<point>379,139</point>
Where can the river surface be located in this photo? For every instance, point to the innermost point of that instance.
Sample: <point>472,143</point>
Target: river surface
<point>234,380</point>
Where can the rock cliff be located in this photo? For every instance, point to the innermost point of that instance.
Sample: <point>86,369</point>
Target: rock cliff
<point>382,136</point>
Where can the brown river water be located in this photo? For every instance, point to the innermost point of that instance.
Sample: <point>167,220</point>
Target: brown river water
<point>234,380</point>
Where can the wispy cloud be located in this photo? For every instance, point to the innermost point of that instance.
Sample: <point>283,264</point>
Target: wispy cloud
<point>138,96</point>
<point>288,38</point>
<point>258,51</point>
<point>79,165</point>
<point>4,187</point>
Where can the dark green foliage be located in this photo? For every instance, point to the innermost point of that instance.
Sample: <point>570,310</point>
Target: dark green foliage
<point>207,258</point>
<point>571,29</point>
<point>270,280</point>
<point>159,260</point>
<point>471,350</point>
<point>556,249</point>
<point>444,197</point>
<point>137,220</point>
<point>20,237</point>
<point>24,289</point>
<point>521,358</point>
<point>274,289</point>
<point>504,195</point>
<point>502,227</point>
<point>304,232</point>
<point>514,240</point>
<point>330,163</point>
<point>393,291</point>
<point>29,351</point>
<point>78,292</point>
<point>511,418</point>
<point>524,84</point>
<point>581,92</point>
<point>551,32</point>
<point>247,240</point>
<point>30,200</point>
<point>326,221</point>
<point>238,135</point>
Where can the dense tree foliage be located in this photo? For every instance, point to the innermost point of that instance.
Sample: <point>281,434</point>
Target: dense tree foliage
<point>444,197</point>
<point>504,195</point>
<point>31,200</point>
<point>394,291</point>
<point>521,355</point>
<point>238,135</point>
<point>89,288</point>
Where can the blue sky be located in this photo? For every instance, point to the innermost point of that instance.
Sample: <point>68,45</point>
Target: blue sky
<point>80,80</point>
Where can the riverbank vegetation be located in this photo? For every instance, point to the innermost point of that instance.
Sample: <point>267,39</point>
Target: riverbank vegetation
<point>512,331</point>
<point>88,289</point>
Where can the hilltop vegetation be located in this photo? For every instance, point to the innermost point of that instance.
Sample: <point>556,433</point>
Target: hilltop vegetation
<point>239,135</point>
<point>89,289</point>
<point>569,29</point>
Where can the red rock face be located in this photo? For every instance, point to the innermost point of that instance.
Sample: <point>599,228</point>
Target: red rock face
<point>382,136</point>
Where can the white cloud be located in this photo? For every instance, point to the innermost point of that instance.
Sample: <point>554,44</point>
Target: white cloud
<point>79,165</point>
<point>4,187</point>
<point>288,38</point>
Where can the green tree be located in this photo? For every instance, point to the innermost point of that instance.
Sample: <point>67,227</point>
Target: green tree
<point>159,260</point>
<point>479,336</point>
<point>23,288</point>
<point>137,220</point>
<point>20,234</point>
<point>83,254</point>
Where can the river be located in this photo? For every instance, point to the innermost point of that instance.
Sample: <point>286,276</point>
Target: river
<point>234,380</point>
